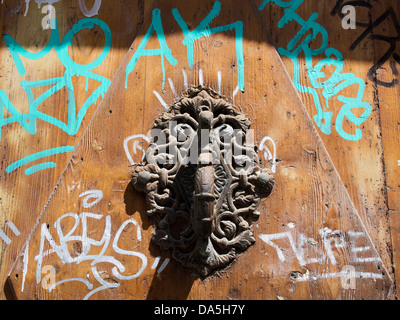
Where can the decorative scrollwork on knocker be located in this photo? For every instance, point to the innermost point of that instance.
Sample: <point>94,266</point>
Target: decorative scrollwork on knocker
<point>203,181</point>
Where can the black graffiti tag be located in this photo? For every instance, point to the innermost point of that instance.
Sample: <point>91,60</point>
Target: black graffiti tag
<point>369,31</point>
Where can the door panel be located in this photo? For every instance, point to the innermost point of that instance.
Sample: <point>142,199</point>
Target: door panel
<point>92,241</point>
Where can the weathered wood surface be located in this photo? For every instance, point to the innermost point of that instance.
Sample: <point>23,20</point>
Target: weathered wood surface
<point>387,101</point>
<point>311,241</point>
<point>368,167</point>
<point>23,194</point>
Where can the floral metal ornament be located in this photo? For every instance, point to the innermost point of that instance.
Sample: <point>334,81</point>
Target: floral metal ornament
<point>203,181</point>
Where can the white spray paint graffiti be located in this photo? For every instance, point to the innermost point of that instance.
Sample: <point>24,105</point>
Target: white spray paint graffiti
<point>13,228</point>
<point>185,81</point>
<point>86,244</point>
<point>92,12</point>
<point>135,146</point>
<point>82,5</point>
<point>307,252</point>
<point>267,153</point>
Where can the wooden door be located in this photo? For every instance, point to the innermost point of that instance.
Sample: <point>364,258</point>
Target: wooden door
<point>315,238</point>
<point>48,97</point>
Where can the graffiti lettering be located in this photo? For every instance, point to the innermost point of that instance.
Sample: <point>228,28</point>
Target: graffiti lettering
<point>392,40</point>
<point>331,239</point>
<point>200,31</point>
<point>156,25</point>
<point>29,121</point>
<point>203,30</point>
<point>67,238</point>
<point>136,139</point>
<point>307,252</point>
<point>82,5</point>
<point>331,87</point>
<point>92,12</point>
<point>48,21</point>
<point>13,228</point>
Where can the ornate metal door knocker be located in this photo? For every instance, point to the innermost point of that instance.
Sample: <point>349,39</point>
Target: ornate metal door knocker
<point>203,181</point>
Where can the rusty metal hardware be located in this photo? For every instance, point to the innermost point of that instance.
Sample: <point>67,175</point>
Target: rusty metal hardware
<point>203,181</point>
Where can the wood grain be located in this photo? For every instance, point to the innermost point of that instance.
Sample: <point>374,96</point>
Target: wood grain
<point>312,231</point>
<point>23,197</point>
<point>362,164</point>
<point>387,102</point>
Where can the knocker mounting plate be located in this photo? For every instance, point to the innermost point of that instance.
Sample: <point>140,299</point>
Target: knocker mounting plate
<point>203,181</point>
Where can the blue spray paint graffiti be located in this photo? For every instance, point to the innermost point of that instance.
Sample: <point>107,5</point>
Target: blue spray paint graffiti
<point>36,156</point>
<point>29,121</point>
<point>202,30</point>
<point>156,25</point>
<point>336,83</point>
